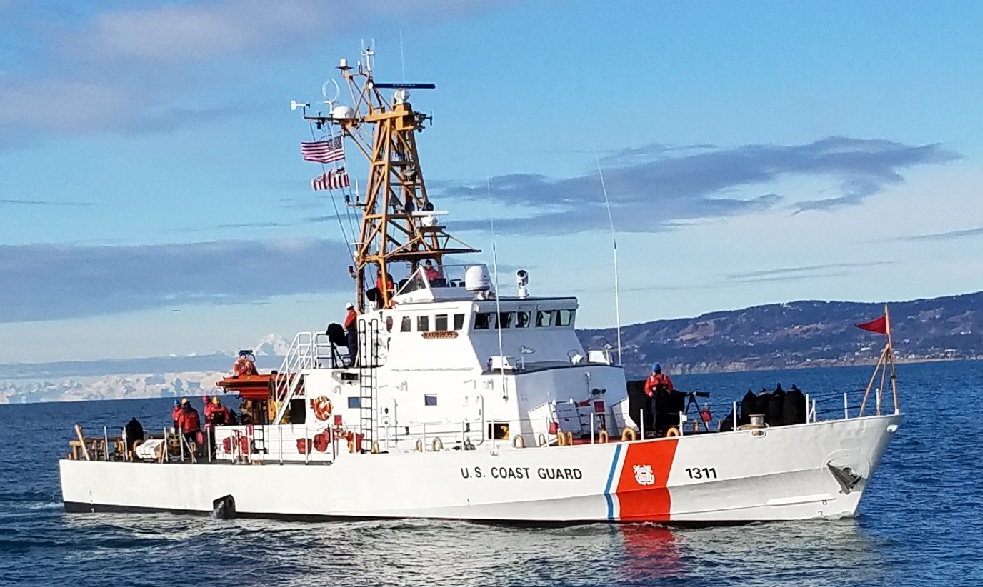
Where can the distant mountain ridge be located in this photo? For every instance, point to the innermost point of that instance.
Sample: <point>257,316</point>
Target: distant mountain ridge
<point>774,336</point>
<point>796,334</point>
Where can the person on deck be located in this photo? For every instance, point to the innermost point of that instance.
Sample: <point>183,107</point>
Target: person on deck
<point>175,414</point>
<point>215,415</point>
<point>351,333</point>
<point>658,387</point>
<point>133,432</point>
<point>189,422</point>
<point>432,273</point>
<point>384,284</point>
<point>657,379</point>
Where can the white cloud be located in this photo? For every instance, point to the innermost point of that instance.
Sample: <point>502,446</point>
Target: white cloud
<point>129,70</point>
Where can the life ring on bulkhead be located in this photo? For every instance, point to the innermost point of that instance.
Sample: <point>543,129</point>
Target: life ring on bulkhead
<point>602,437</point>
<point>437,444</point>
<point>569,438</point>
<point>351,446</point>
<point>672,432</point>
<point>541,441</point>
<point>629,435</point>
<point>560,438</point>
<point>322,408</point>
<point>518,441</point>
<point>419,446</point>
<point>375,448</point>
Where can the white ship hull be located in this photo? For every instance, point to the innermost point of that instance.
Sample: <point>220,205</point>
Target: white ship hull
<point>782,473</point>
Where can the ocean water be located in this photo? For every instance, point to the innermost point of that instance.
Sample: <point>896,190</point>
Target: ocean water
<point>921,519</point>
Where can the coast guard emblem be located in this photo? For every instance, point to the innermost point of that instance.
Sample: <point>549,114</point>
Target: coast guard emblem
<point>644,475</point>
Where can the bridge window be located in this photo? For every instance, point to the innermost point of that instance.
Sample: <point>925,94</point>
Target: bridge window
<point>429,400</point>
<point>423,323</point>
<point>406,325</point>
<point>564,317</point>
<point>505,320</point>
<point>522,319</point>
<point>544,318</point>
<point>458,321</point>
<point>484,321</point>
<point>440,322</point>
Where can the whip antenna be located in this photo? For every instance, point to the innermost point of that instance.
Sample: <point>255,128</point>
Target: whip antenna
<point>498,303</point>
<point>614,244</point>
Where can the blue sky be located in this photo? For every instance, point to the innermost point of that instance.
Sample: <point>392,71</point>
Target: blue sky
<point>153,200</point>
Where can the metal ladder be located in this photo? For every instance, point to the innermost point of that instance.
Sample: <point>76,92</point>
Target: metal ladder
<point>289,380</point>
<point>368,339</point>
<point>259,440</point>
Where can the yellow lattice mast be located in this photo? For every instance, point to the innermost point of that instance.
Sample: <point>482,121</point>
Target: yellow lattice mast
<point>399,223</point>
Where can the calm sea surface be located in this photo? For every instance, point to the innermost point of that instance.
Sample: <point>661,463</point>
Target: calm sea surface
<point>921,519</point>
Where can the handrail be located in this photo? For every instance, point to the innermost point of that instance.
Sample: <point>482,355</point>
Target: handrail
<point>287,382</point>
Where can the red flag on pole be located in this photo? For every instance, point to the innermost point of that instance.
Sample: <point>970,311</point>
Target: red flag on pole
<point>879,325</point>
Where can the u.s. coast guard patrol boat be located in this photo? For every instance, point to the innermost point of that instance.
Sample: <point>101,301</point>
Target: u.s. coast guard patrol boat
<point>461,403</point>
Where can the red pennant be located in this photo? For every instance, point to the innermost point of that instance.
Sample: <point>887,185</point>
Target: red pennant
<point>879,325</point>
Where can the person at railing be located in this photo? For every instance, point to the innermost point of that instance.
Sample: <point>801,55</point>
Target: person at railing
<point>215,415</point>
<point>189,423</point>
<point>657,381</point>
<point>175,414</point>
<point>658,388</point>
<point>351,333</point>
<point>133,432</point>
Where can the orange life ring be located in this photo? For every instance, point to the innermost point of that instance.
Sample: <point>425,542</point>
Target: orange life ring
<point>672,432</point>
<point>322,408</point>
<point>629,435</point>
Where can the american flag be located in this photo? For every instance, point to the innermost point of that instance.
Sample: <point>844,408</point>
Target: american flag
<point>326,151</point>
<point>334,179</point>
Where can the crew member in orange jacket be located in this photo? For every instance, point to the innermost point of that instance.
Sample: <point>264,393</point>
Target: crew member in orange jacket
<point>384,284</point>
<point>351,333</point>
<point>176,414</point>
<point>189,422</point>
<point>215,413</point>
<point>658,388</point>
<point>657,379</point>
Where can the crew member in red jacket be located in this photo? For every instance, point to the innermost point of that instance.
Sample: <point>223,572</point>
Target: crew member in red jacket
<point>351,333</point>
<point>657,379</point>
<point>215,413</point>
<point>658,388</point>
<point>189,422</point>
<point>175,414</point>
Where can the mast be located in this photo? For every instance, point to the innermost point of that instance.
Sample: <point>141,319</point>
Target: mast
<point>398,220</point>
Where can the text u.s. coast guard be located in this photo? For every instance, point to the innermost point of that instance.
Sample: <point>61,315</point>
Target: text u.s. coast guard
<point>521,473</point>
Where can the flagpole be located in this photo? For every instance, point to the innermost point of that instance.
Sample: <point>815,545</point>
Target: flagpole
<point>877,367</point>
<point>890,346</point>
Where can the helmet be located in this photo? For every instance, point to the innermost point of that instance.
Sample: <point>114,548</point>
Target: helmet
<point>185,401</point>
<point>349,306</point>
<point>215,400</point>
<point>176,403</point>
<point>656,367</point>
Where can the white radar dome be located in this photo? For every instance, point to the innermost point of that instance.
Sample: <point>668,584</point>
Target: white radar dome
<point>476,278</point>
<point>343,113</point>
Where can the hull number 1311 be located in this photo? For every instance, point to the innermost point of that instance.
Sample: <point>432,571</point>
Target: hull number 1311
<point>702,474</point>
